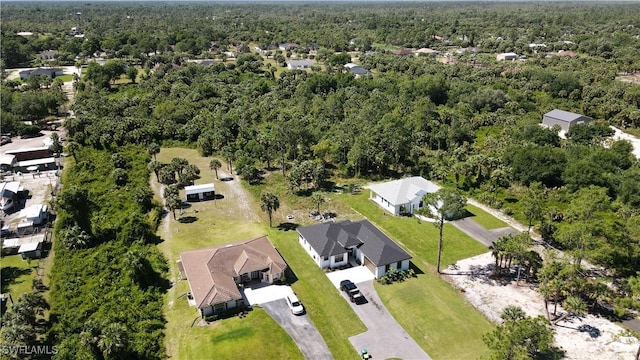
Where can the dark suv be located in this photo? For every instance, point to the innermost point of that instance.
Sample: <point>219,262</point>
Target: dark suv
<point>352,290</point>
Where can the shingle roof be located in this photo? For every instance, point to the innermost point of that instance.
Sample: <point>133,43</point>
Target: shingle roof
<point>563,115</point>
<point>402,191</point>
<point>211,271</point>
<point>333,238</point>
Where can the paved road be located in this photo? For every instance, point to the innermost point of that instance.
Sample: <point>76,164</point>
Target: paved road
<point>301,330</point>
<point>384,338</point>
<point>477,232</point>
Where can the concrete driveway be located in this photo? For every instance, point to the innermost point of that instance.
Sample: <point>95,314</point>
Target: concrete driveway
<point>300,328</point>
<point>384,338</point>
<point>477,232</point>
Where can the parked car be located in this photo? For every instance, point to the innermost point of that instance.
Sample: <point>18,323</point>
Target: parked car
<point>355,296</point>
<point>295,305</point>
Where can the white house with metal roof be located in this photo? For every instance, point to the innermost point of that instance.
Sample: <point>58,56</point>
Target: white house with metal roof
<point>564,119</point>
<point>402,196</point>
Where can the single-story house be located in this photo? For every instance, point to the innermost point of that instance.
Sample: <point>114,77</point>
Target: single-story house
<point>565,119</point>
<point>37,214</point>
<point>11,246</point>
<point>48,72</point>
<point>30,153</point>
<point>200,192</point>
<point>300,64</point>
<point>47,55</point>
<point>48,163</point>
<point>427,51</point>
<point>9,194</point>
<point>356,70</point>
<point>288,46</point>
<point>7,162</point>
<point>214,273</point>
<point>31,250</point>
<point>507,56</point>
<point>402,196</point>
<point>333,245</point>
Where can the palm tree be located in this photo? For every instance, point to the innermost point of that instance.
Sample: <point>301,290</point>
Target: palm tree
<point>214,165</point>
<point>573,305</point>
<point>269,203</point>
<point>73,147</point>
<point>112,340</point>
<point>173,202</point>
<point>317,199</point>
<point>440,205</point>
<point>153,150</point>
<point>155,166</point>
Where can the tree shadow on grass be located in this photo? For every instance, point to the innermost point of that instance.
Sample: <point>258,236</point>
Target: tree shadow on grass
<point>287,226</point>
<point>187,219</point>
<point>10,274</point>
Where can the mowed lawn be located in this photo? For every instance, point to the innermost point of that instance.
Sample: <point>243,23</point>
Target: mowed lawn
<point>207,224</point>
<point>17,275</point>
<point>230,219</point>
<point>432,311</point>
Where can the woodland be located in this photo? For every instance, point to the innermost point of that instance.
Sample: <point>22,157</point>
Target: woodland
<point>471,124</point>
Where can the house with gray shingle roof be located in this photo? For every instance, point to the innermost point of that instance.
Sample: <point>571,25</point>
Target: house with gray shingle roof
<point>402,196</point>
<point>333,245</point>
<point>565,119</point>
<point>214,273</point>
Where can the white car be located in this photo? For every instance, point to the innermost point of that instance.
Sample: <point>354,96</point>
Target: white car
<point>295,305</point>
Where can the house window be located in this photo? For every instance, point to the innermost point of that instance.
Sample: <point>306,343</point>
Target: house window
<point>218,307</point>
<point>325,258</point>
<point>339,258</point>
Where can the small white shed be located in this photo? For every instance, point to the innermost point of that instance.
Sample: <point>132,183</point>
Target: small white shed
<point>200,192</point>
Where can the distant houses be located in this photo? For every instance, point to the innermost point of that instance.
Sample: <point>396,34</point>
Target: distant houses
<point>300,64</point>
<point>356,70</point>
<point>48,72</point>
<point>507,56</point>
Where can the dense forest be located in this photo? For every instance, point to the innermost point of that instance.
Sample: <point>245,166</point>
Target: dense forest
<point>471,124</point>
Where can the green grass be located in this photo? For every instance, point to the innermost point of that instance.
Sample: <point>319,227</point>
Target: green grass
<point>485,219</point>
<point>65,77</point>
<point>419,237</point>
<point>437,317</point>
<point>226,221</point>
<point>232,338</point>
<point>330,313</point>
<point>17,275</point>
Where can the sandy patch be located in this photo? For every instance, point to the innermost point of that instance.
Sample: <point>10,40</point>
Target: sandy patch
<point>490,297</point>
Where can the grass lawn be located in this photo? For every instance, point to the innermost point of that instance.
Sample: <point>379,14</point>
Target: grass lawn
<point>420,238</point>
<point>16,275</point>
<point>437,317</point>
<point>208,224</point>
<point>484,219</point>
<point>430,309</point>
<point>65,77</point>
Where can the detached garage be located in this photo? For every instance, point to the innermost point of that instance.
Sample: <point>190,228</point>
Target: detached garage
<point>564,119</point>
<point>200,192</point>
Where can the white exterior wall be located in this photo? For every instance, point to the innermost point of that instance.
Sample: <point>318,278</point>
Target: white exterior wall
<point>314,255</point>
<point>394,209</point>
<point>335,263</point>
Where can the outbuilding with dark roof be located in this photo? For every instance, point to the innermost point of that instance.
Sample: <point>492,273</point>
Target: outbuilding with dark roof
<point>333,245</point>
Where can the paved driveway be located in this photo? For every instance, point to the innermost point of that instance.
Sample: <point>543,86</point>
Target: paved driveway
<point>301,330</point>
<point>384,338</point>
<point>477,232</point>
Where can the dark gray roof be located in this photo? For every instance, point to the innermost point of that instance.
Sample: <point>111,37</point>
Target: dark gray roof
<point>333,238</point>
<point>563,115</point>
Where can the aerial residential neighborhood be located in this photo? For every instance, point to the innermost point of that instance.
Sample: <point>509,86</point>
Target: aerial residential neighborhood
<point>366,180</point>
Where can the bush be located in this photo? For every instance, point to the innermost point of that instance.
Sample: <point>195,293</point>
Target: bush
<point>395,275</point>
